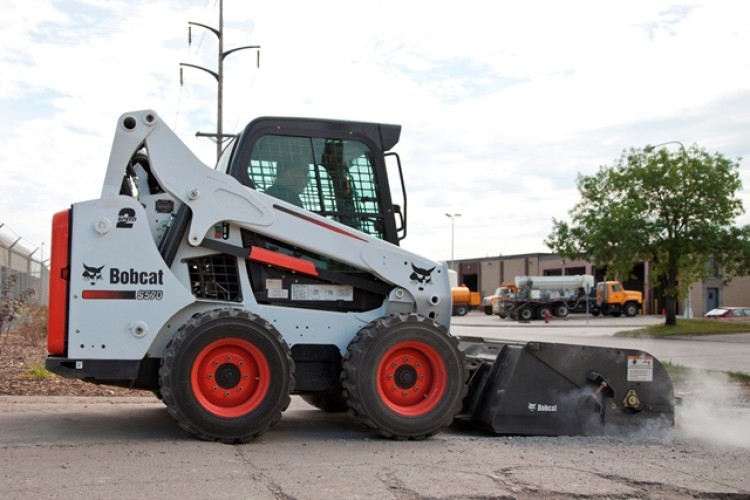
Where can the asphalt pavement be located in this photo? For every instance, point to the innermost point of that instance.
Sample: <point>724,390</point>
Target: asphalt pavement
<point>119,448</point>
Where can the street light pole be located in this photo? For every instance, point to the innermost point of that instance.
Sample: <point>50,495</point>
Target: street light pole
<point>218,75</point>
<point>453,229</point>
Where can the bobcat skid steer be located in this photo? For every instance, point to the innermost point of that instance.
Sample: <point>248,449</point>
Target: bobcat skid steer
<point>223,300</point>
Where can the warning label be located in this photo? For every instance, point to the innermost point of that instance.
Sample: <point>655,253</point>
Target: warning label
<point>640,368</point>
<point>322,292</point>
<point>275,290</point>
<point>278,293</point>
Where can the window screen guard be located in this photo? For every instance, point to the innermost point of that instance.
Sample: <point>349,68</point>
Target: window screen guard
<point>342,183</point>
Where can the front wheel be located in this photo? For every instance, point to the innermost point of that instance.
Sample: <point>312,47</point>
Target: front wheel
<point>631,309</point>
<point>404,377</point>
<point>227,376</point>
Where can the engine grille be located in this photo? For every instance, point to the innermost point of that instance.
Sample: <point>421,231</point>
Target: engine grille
<point>215,277</point>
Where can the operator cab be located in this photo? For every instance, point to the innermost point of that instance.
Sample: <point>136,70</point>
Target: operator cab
<point>345,165</point>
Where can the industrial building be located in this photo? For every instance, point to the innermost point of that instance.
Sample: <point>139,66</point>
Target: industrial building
<point>485,274</point>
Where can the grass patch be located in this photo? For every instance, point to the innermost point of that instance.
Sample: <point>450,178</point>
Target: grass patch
<point>679,372</point>
<point>739,377</point>
<point>675,370</point>
<point>37,372</point>
<point>689,327</point>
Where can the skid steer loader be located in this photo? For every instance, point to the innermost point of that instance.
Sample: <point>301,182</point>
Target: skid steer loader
<point>223,300</point>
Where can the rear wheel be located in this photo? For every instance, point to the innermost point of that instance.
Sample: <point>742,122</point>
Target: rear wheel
<point>227,376</point>
<point>525,314</point>
<point>404,377</point>
<point>542,311</point>
<point>561,311</point>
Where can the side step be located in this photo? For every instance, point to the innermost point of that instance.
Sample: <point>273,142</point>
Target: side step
<point>540,388</point>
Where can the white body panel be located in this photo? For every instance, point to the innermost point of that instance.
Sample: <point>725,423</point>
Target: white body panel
<point>585,281</point>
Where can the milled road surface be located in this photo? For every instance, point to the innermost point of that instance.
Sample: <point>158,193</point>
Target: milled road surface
<point>131,448</point>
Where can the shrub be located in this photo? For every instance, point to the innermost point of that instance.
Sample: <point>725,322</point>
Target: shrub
<point>32,324</point>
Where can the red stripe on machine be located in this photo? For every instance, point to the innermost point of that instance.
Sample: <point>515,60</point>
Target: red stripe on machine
<point>279,259</point>
<point>109,294</point>
<point>320,223</point>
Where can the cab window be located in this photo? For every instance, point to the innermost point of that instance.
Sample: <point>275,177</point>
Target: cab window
<point>341,183</point>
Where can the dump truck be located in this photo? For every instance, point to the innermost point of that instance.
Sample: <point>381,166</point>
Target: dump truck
<point>196,284</point>
<point>540,297</point>
<point>613,299</point>
<point>504,290</point>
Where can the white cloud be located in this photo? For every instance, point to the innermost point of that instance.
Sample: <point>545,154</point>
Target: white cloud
<point>501,108</point>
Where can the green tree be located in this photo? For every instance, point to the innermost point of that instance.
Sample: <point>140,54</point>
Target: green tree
<point>675,209</point>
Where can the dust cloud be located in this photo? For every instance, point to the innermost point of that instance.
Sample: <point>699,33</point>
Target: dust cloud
<point>714,411</point>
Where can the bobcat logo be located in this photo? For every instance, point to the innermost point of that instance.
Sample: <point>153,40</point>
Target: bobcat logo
<point>421,276</point>
<point>92,273</point>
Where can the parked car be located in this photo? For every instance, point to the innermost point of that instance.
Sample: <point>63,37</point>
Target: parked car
<point>731,313</point>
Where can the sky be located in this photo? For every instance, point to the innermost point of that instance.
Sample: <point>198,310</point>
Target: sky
<point>503,104</point>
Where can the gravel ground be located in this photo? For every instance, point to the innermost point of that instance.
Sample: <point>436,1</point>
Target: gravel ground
<point>22,374</point>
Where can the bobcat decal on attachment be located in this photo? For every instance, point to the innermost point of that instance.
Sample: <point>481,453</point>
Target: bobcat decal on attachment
<point>92,273</point>
<point>421,276</point>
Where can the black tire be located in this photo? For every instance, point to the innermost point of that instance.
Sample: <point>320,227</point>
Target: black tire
<point>488,310</point>
<point>404,377</point>
<point>630,309</point>
<point>525,314</point>
<point>502,316</point>
<point>561,311</point>
<point>226,376</point>
<point>461,310</point>
<point>327,401</point>
<point>540,312</point>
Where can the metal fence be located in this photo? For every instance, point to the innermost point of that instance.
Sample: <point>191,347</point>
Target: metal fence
<point>27,261</point>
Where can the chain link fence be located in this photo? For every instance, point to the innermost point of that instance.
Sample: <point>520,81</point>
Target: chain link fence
<point>27,261</point>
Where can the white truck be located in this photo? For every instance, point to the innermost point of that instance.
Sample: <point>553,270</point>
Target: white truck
<point>540,297</point>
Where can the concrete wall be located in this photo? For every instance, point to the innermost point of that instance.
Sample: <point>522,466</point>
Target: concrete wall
<point>736,293</point>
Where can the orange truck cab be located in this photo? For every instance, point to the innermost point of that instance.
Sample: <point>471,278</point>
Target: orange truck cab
<point>613,299</point>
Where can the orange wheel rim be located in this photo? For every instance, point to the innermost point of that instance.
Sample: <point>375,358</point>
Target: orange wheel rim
<point>412,378</point>
<point>230,377</point>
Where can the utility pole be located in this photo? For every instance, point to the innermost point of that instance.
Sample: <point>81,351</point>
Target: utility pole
<point>453,230</point>
<point>218,75</point>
